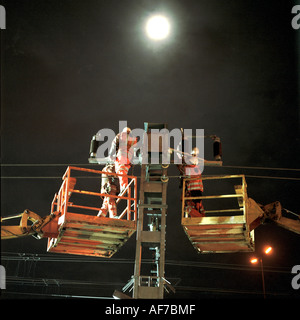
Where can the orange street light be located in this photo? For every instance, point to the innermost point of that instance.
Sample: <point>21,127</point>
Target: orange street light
<point>268,250</point>
<point>254,260</point>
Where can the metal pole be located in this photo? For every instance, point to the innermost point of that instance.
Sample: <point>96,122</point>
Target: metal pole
<point>12,217</point>
<point>263,277</point>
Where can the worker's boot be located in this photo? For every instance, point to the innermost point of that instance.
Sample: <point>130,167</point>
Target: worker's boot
<point>200,209</point>
<point>113,215</point>
<point>101,214</point>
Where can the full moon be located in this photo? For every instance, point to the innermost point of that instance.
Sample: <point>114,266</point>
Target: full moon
<point>157,27</point>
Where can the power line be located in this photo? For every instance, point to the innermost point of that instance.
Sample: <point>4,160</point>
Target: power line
<point>270,177</point>
<point>172,177</point>
<point>39,177</point>
<point>179,289</point>
<point>58,282</point>
<point>79,284</point>
<point>96,164</point>
<point>7,256</point>
<point>62,284</point>
<point>261,168</point>
<point>49,164</point>
<point>56,295</point>
<point>226,291</point>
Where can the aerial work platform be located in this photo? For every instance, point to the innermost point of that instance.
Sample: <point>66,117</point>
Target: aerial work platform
<point>88,234</point>
<point>91,236</point>
<point>221,230</point>
<point>73,226</point>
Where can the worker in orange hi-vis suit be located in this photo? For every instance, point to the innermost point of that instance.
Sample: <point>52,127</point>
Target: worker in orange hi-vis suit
<point>193,187</point>
<point>122,153</point>
<point>109,186</point>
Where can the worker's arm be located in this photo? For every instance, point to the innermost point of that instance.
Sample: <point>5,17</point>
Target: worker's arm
<point>113,149</point>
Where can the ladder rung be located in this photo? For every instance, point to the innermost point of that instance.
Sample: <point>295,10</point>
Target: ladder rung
<point>155,167</point>
<point>153,214</point>
<point>155,172</point>
<point>154,206</point>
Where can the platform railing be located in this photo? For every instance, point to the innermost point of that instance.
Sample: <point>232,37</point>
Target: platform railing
<point>60,204</point>
<point>241,194</point>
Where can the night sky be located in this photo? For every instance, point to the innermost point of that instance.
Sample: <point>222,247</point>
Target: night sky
<point>71,68</point>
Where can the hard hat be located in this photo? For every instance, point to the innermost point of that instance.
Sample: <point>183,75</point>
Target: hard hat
<point>195,151</point>
<point>127,130</point>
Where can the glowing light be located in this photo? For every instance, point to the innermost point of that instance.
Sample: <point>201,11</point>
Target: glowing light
<point>254,260</point>
<point>268,250</point>
<point>158,27</point>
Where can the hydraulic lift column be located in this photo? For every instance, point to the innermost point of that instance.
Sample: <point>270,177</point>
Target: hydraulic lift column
<point>148,279</point>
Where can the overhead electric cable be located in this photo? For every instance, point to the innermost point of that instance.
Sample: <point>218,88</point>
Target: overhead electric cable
<point>260,168</point>
<point>96,164</point>
<point>8,256</point>
<point>176,176</point>
<point>79,284</point>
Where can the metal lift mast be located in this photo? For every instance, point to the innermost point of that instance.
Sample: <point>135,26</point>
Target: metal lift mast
<point>151,225</point>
